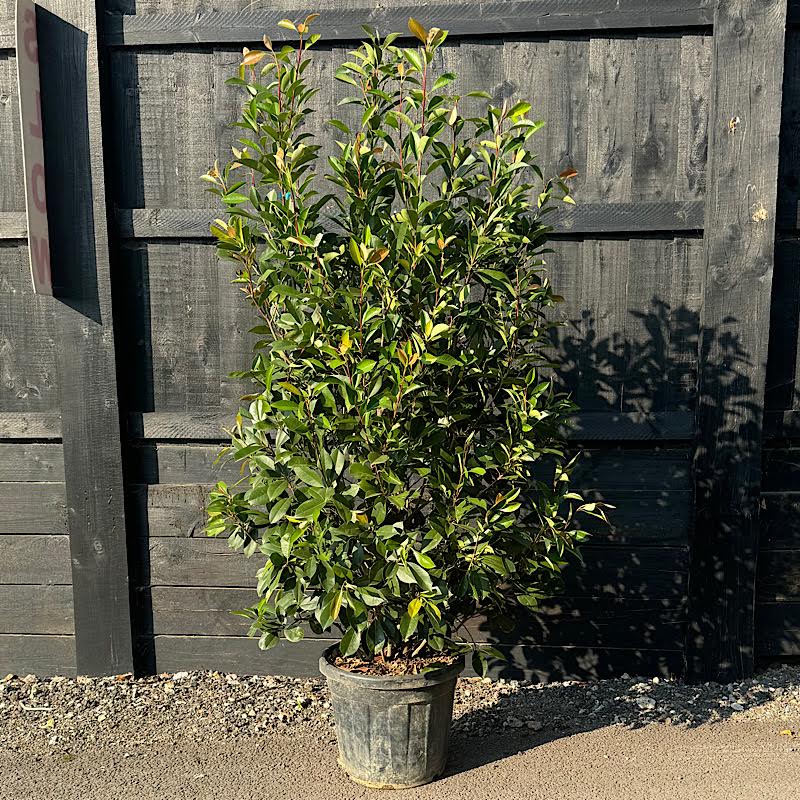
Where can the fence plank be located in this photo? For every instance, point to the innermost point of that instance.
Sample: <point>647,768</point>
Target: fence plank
<point>594,218</point>
<point>90,415</point>
<point>460,18</point>
<point>35,559</point>
<point>47,609</point>
<point>31,462</point>
<point>43,655</point>
<point>32,508</point>
<point>739,245</point>
<point>35,425</point>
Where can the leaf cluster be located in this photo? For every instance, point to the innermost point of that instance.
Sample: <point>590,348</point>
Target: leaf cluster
<point>402,451</point>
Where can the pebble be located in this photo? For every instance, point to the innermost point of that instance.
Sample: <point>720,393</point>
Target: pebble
<point>213,705</point>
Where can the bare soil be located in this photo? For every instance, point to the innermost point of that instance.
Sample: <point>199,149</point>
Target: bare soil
<point>395,667</point>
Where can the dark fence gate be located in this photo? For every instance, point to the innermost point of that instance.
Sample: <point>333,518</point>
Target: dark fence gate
<point>681,346</point>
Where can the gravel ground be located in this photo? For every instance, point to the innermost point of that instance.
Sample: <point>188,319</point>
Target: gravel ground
<point>89,721</point>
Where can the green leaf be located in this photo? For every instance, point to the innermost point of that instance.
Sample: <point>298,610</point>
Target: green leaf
<point>405,574</point>
<point>267,640</point>
<point>279,510</point>
<point>309,476</point>
<point>421,576</point>
<point>310,508</point>
<point>293,634</point>
<point>423,560</point>
<point>350,643</point>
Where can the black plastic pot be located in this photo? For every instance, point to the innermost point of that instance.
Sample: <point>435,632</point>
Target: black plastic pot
<point>392,731</point>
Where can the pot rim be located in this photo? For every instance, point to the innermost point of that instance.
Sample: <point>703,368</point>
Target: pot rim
<point>388,682</point>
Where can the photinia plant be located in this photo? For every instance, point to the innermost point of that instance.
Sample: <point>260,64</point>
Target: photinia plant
<point>403,420</point>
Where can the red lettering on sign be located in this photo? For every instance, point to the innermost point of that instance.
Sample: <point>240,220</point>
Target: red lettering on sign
<point>40,250</point>
<point>35,127</point>
<point>31,46</point>
<point>37,187</point>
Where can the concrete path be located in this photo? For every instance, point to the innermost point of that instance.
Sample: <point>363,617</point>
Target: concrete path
<point>729,760</point>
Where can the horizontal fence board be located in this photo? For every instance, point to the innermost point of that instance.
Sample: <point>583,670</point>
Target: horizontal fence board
<point>242,656</point>
<point>781,470</point>
<point>30,425</point>
<point>31,462</point>
<point>778,575</point>
<point>558,622</point>
<point>36,609</point>
<point>656,468</point>
<point>460,18</point>
<point>638,517</point>
<point>35,559</point>
<point>608,570</point>
<point>13,224</point>
<point>37,654</point>
<point>592,218</point>
<point>589,426</point>
<point>780,521</point>
<point>32,508</point>
<point>778,629</point>
<point>782,424</point>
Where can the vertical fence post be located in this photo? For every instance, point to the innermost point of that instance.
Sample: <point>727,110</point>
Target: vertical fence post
<point>86,360</point>
<point>741,178</point>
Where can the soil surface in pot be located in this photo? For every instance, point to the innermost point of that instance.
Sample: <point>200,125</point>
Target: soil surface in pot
<point>396,666</point>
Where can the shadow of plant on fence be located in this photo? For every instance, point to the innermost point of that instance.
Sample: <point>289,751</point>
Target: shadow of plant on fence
<point>631,606</point>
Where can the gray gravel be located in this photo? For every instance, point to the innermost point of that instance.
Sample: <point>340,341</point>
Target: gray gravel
<point>60,716</point>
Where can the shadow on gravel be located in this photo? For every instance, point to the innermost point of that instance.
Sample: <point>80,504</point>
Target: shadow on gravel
<point>531,716</point>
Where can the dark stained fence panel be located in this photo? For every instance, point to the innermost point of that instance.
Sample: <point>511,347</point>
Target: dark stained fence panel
<point>40,654</point>
<point>34,559</point>
<point>461,18</point>
<point>36,609</point>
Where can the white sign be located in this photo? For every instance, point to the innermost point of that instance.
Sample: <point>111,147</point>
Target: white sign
<point>30,107</point>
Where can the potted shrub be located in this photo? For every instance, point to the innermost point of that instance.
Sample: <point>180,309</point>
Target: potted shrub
<point>403,465</point>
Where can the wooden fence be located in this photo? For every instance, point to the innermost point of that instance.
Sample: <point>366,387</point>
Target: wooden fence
<point>679,265</point>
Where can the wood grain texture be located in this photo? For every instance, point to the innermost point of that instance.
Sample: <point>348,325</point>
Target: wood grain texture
<point>35,425</point>
<point>739,245</point>
<point>84,323</point>
<point>632,314</point>
<point>460,18</point>
<point>36,610</point>
<point>43,655</point>
<point>35,559</point>
<point>13,225</point>
<point>589,92</point>
<point>12,198</point>
<point>29,379</point>
<point>32,508</point>
<point>31,462</point>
